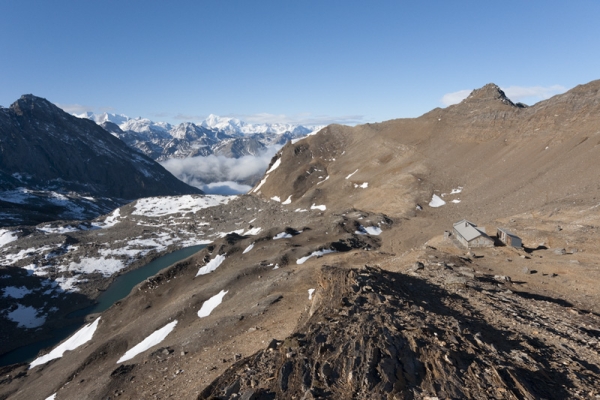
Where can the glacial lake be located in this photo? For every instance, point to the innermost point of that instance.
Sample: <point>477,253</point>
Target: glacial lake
<point>118,290</point>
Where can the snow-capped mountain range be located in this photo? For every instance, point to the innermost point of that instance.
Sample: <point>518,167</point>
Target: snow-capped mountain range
<point>230,137</point>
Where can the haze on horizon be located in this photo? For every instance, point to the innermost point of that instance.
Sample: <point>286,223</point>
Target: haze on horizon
<point>306,63</point>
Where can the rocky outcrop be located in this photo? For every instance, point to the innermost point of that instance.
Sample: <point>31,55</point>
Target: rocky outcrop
<point>374,334</point>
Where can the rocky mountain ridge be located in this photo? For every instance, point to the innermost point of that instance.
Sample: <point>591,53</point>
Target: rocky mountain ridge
<point>55,166</point>
<point>229,137</point>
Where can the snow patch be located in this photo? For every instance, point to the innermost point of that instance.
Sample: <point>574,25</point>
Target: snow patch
<point>80,337</point>
<point>288,200</point>
<point>111,220</point>
<point>326,178</point>
<point>274,167</point>
<point>105,266</point>
<point>276,198</point>
<point>16,292</point>
<point>321,207</point>
<point>456,201</point>
<point>282,235</point>
<point>253,231</point>
<point>262,182</point>
<point>317,253</point>
<point>161,206</point>
<point>456,191</point>
<point>238,231</point>
<point>7,236</point>
<point>436,201</point>
<point>369,230</point>
<point>67,284</point>
<point>26,317</point>
<point>310,293</point>
<point>212,265</point>
<point>209,305</point>
<point>349,176</point>
<point>247,249</point>
<point>151,341</point>
<point>362,186</point>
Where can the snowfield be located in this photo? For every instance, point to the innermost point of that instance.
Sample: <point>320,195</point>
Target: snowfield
<point>26,317</point>
<point>16,292</point>
<point>247,249</point>
<point>7,236</point>
<point>253,231</point>
<point>436,201</point>
<point>350,176</point>
<point>317,253</point>
<point>151,341</point>
<point>212,265</point>
<point>79,338</point>
<point>274,167</point>
<point>209,305</point>
<point>369,230</point>
<point>105,266</point>
<point>161,206</point>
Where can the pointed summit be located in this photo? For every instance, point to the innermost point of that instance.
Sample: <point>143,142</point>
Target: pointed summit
<point>489,92</point>
<point>28,103</point>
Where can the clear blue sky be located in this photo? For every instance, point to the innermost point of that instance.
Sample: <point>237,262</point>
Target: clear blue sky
<point>303,61</point>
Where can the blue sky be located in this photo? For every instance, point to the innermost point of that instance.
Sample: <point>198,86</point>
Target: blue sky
<point>291,61</point>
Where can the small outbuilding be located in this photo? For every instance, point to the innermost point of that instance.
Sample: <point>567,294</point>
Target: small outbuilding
<point>469,235</point>
<point>509,239</point>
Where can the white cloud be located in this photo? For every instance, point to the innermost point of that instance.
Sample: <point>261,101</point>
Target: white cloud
<point>537,93</point>
<point>75,108</point>
<point>189,117</point>
<point>455,97</point>
<point>225,188</point>
<point>295,119</point>
<point>220,174</point>
<point>516,93</point>
<point>299,119</point>
<point>80,109</point>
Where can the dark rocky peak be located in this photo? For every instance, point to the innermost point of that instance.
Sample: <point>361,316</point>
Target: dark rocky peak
<point>29,104</point>
<point>489,92</point>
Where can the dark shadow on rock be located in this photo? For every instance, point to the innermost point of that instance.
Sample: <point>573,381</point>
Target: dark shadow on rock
<point>19,344</point>
<point>530,250</point>
<point>539,297</point>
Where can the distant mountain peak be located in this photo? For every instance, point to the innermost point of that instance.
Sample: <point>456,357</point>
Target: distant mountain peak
<point>28,102</point>
<point>489,92</point>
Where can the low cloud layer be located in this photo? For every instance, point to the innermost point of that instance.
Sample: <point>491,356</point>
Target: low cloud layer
<point>530,94</point>
<point>519,93</point>
<point>80,109</point>
<point>455,97</point>
<point>296,119</point>
<point>220,174</point>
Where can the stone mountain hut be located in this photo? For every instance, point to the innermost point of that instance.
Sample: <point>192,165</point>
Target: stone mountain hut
<point>509,239</point>
<point>469,235</point>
